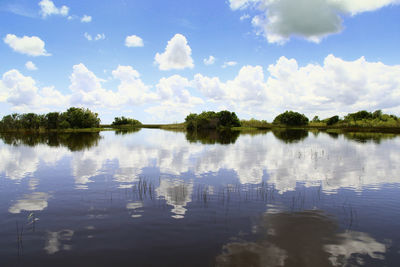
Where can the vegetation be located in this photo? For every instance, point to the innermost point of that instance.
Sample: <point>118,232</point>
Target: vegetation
<point>81,119</point>
<point>290,135</point>
<point>224,136</point>
<point>73,141</point>
<point>291,118</point>
<point>122,121</point>
<point>73,118</point>
<point>212,120</point>
<point>253,123</point>
<point>332,120</point>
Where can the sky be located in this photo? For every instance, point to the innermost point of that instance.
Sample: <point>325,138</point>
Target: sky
<point>158,61</point>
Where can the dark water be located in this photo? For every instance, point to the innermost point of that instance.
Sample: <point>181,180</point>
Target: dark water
<point>160,198</point>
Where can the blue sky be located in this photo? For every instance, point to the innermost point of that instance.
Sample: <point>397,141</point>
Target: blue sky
<point>147,59</point>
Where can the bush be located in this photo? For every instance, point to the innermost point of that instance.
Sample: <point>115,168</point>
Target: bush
<point>291,118</point>
<point>332,120</point>
<point>118,121</point>
<point>211,120</point>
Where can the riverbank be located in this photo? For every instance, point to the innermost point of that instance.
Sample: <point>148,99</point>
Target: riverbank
<point>182,127</point>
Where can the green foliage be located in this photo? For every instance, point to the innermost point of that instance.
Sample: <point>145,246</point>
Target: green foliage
<point>76,118</point>
<point>119,121</point>
<point>316,119</point>
<point>332,120</point>
<point>360,115</point>
<point>291,118</point>
<point>290,135</point>
<point>224,137</point>
<point>211,120</point>
<point>73,141</point>
<point>365,119</point>
<point>253,123</point>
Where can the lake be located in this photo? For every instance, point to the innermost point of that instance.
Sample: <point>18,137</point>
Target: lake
<point>163,198</point>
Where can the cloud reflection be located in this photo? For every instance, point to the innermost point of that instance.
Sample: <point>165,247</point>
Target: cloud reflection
<point>177,193</point>
<point>57,241</point>
<point>307,238</point>
<point>31,202</point>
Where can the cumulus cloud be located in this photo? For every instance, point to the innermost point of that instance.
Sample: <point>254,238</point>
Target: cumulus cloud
<point>244,17</point>
<point>97,37</point>
<point>86,18</point>
<point>177,54</point>
<point>229,64</point>
<point>279,20</point>
<point>21,89</point>
<point>32,46</point>
<point>175,98</point>
<point>337,86</point>
<point>30,65</point>
<point>131,88</point>
<point>23,94</point>
<point>133,41</point>
<point>209,61</point>
<point>87,89</point>
<point>48,8</point>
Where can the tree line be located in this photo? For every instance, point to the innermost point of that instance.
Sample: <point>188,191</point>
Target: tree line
<point>75,118</point>
<point>79,118</point>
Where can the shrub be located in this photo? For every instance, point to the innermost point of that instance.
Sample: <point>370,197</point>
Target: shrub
<point>291,118</point>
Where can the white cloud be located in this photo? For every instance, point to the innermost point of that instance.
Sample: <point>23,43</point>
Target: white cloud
<point>97,37</point>
<point>24,95</point>
<point>229,64</point>
<point>244,17</point>
<point>21,89</point>
<point>177,54</point>
<point>279,20</point>
<point>30,65</point>
<point>87,89</point>
<point>209,61</point>
<point>47,8</point>
<point>32,46</point>
<point>131,89</point>
<point>175,99</point>
<point>325,89</point>
<point>133,41</point>
<point>86,18</point>
<point>88,36</point>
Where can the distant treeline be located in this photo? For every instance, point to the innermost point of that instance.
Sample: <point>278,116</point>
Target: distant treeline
<point>360,119</point>
<point>75,118</point>
<point>80,118</point>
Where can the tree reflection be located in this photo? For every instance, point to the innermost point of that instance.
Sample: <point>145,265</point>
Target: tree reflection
<point>290,135</point>
<point>73,141</point>
<point>369,137</point>
<point>224,137</point>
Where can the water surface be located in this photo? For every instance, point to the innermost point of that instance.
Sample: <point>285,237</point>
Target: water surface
<point>162,198</point>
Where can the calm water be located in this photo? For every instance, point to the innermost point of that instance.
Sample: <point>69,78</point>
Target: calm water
<point>161,198</point>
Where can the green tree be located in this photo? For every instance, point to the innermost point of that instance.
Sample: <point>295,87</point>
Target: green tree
<point>332,120</point>
<point>291,118</point>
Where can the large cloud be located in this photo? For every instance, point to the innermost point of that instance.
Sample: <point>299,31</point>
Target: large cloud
<point>278,20</point>
<point>32,46</point>
<point>334,87</point>
<point>47,8</point>
<point>177,54</point>
<point>175,98</point>
<point>24,95</point>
